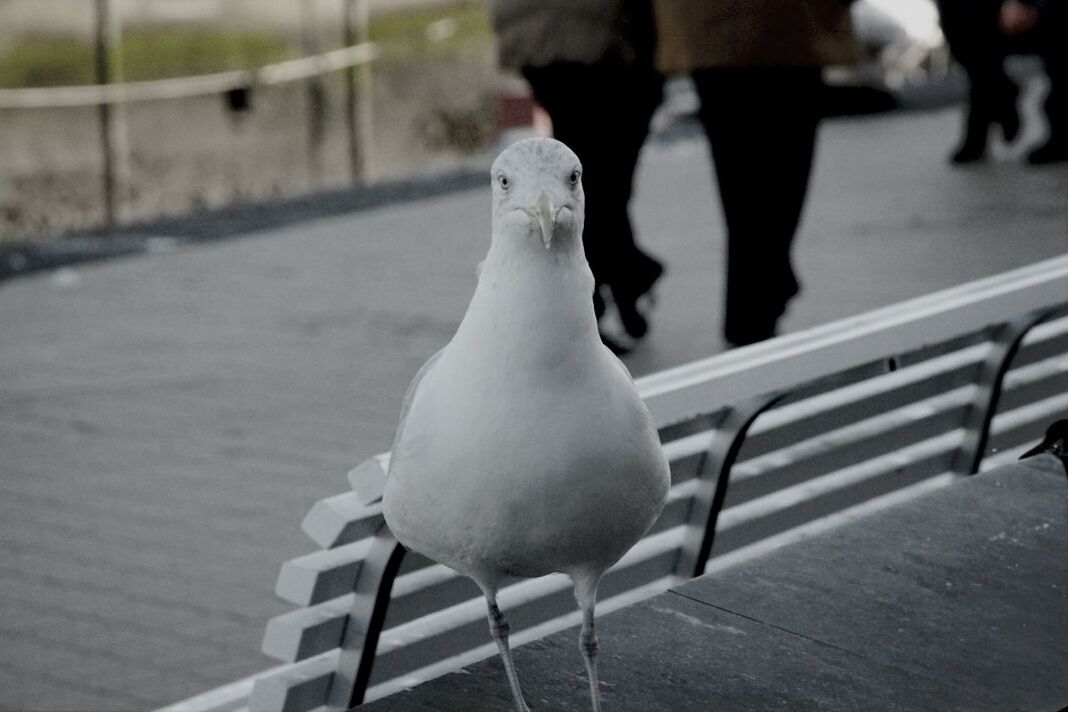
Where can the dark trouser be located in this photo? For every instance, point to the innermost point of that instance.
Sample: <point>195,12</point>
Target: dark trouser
<point>602,112</point>
<point>977,43</point>
<point>971,28</point>
<point>1052,36</point>
<point>761,123</point>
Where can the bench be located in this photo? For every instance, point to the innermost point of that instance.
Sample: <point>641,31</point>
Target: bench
<point>952,601</point>
<point>768,444</point>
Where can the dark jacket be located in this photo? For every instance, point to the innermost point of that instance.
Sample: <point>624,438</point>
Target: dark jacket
<point>700,34</point>
<point>537,33</point>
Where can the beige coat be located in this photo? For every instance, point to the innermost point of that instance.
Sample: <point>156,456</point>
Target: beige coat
<point>536,33</point>
<point>699,34</point>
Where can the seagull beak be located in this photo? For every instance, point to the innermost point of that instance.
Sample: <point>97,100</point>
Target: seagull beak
<point>546,216</point>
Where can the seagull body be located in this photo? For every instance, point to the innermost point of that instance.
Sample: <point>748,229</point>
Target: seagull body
<point>524,448</point>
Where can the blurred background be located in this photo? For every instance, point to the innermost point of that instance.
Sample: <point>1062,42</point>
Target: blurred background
<point>427,97</point>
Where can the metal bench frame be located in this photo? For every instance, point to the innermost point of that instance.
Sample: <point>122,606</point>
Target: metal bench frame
<point>767,444</point>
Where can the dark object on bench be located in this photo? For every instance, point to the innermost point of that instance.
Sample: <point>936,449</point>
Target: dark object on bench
<point>1055,443</point>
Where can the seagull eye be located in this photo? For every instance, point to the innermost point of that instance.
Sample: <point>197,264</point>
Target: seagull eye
<point>573,179</point>
<point>502,180</point>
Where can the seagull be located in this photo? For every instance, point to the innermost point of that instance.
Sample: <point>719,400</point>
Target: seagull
<point>524,448</point>
<point>1055,443</point>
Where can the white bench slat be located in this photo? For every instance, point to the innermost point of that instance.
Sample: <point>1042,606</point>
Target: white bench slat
<point>850,445</point>
<point>322,575</point>
<point>306,632</point>
<point>1014,427</point>
<point>1032,383</point>
<point>298,687</point>
<point>770,366</point>
<point>787,424</point>
<point>788,508</point>
<point>341,519</point>
<point>369,478</point>
<point>1047,340</point>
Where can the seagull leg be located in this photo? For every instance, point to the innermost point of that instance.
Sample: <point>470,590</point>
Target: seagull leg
<point>588,645</point>
<point>499,630</point>
<point>586,594</point>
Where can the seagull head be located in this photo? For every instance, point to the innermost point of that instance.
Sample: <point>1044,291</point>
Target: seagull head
<point>537,194</point>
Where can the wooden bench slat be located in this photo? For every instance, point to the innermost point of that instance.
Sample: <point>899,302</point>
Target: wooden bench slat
<point>369,478</point>
<point>301,686</point>
<point>309,631</point>
<point>322,575</point>
<point>733,377</point>
<point>687,455</point>
<point>1034,382</point>
<point>1047,340</point>
<point>788,424</point>
<point>857,443</point>
<point>782,510</point>
<point>1018,426</point>
<point>341,519</point>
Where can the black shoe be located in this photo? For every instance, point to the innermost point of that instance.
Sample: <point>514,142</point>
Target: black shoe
<point>635,301</point>
<point>616,345</point>
<point>973,143</point>
<point>749,335</point>
<point>970,151</point>
<point>753,325</point>
<point>610,325</point>
<point>1052,151</point>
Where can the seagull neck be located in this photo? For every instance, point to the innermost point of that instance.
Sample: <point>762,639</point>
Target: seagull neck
<point>524,260</point>
<point>547,293</point>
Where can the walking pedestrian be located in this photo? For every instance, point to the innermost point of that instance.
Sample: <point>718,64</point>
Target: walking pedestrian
<point>980,47</point>
<point>1047,22</point>
<point>589,64</point>
<point>757,67</point>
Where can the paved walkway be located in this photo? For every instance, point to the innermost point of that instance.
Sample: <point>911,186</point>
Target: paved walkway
<point>166,420</point>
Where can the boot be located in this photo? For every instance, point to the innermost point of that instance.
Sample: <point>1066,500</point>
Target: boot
<point>1052,151</point>
<point>973,144</point>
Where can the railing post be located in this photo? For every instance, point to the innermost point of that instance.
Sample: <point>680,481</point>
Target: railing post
<point>358,120</point>
<point>373,588</point>
<point>315,91</point>
<point>112,115</point>
<point>1004,345</point>
<point>714,477</point>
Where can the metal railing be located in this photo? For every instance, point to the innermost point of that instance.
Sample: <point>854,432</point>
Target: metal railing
<point>187,87</point>
<point>767,444</point>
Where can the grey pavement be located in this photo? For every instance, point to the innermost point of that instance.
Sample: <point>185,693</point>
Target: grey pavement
<point>166,420</point>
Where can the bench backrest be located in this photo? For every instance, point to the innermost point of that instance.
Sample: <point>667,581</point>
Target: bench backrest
<point>767,444</point>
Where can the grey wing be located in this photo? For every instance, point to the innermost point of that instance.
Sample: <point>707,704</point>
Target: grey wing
<point>409,396</point>
<point>369,479</point>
